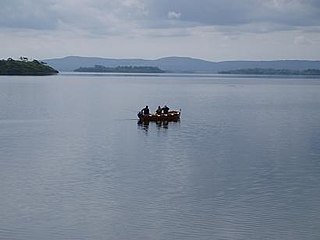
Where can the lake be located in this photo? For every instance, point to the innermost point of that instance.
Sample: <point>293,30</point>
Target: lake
<point>243,162</point>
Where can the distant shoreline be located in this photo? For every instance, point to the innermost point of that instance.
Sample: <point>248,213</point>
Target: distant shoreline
<point>271,71</point>
<point>179,64</point>
<point>120,69</point>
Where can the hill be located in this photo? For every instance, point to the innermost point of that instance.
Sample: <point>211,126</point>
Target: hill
<point>180,64</point>
<point>25,67</point>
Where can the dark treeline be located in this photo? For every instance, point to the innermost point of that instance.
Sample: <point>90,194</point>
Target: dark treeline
<point>271,71</point>
<point>120,69</point>
<point>25,67</point>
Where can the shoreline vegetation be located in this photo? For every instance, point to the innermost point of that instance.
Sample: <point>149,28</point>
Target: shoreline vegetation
<point>272,71</point>
<point>120,69</point>
<point>25,67</point>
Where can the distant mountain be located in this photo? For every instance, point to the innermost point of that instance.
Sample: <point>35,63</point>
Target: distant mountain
<point>179,64</point>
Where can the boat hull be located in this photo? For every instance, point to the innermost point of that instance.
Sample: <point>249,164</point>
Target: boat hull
<point>171,116</point>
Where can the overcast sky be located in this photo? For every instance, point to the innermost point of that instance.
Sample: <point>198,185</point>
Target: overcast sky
<point>209,29</point>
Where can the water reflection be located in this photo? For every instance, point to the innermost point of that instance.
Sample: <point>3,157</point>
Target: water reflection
<point>144,125</point>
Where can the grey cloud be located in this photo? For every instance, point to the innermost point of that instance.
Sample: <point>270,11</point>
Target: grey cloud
<point>27,14</point>
<point>201,12</point>
<point>121,16</point>
<point>48,14</point>
<point>234,13</point>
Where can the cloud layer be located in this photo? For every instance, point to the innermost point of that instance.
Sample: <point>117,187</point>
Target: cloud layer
<point>90,15</point>
<point>147,19</point>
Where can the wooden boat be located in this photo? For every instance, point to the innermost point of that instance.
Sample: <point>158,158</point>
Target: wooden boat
<point>171,116</point>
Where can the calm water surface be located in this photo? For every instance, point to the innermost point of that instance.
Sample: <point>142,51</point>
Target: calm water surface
<point>243,162</point>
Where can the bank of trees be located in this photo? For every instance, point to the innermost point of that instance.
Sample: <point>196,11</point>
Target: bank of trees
<point>271,71</point>
<point>120,69</point>
<point>25,67</point>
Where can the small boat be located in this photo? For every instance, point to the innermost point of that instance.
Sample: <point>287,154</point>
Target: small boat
<point>171,116</point>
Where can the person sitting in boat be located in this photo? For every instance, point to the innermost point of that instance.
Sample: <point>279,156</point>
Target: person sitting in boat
<point>145,111</point>
<point>159,110</point>
<point>165,109</point>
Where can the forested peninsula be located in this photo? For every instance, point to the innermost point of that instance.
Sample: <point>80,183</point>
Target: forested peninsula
<point>120,69</point>
<point>24,66</point>
<point>271,71</point>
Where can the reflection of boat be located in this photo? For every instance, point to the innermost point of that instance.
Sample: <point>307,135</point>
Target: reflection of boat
<point>171,116</point>
<point>144,125</point>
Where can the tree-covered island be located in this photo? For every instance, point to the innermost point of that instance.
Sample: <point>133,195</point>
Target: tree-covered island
<point>24,66</point>
<point>120,69</point>
<point>271,71</point>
